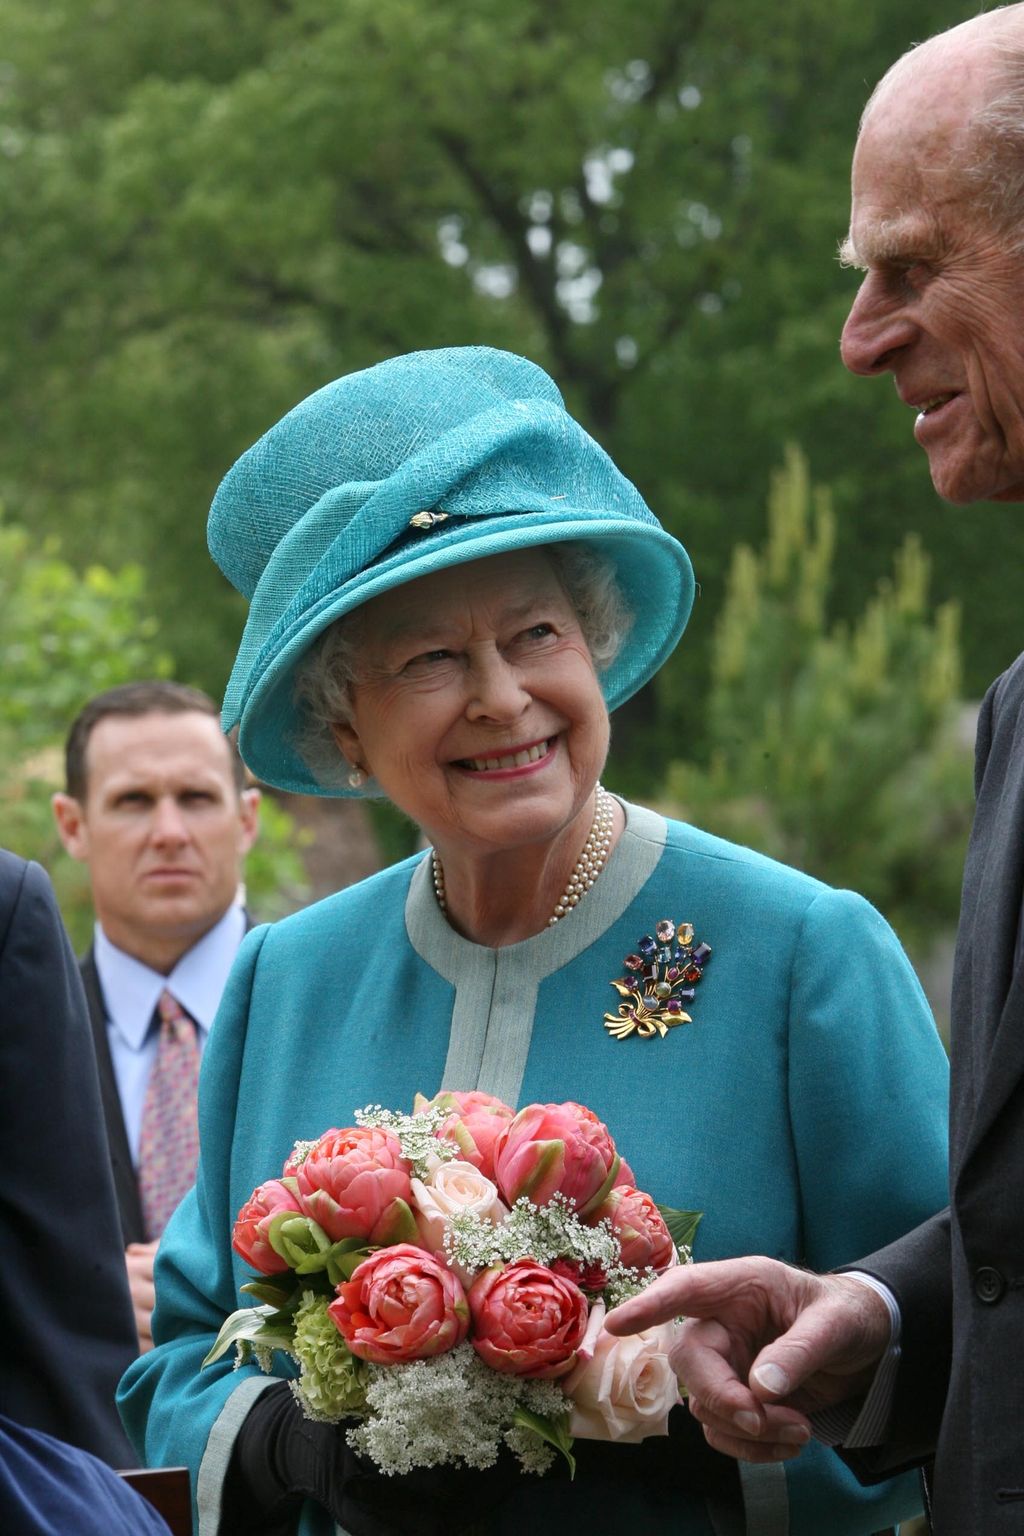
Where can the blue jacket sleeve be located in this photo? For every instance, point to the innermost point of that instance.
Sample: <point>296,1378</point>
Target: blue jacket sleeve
<point>868,1083</point>
<point>175,1410</point>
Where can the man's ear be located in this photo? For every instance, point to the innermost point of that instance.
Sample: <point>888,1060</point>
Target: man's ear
<point>70,819</point>
<point>249,816</point>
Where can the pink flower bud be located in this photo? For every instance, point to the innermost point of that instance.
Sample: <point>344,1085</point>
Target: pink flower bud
<point>401,1304</point>
<point>527,1320</point>
<point>644,1239</point>
<point>355,1183</point>
<point>556,1148</point>
<point>250,1237</point>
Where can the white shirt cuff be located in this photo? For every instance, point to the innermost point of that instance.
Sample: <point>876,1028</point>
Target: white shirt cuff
<point>854,1424</point>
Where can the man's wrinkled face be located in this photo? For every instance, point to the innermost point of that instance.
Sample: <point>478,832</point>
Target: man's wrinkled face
<point>940,304</point>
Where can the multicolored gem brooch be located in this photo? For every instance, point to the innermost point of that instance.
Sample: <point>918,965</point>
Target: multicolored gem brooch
<point>660,977</point>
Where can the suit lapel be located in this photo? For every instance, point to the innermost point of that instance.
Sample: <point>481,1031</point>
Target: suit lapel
<point>117,1138</point>
<point>989,990</point>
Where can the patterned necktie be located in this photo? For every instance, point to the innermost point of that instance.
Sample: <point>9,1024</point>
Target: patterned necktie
<point>169,1138</point>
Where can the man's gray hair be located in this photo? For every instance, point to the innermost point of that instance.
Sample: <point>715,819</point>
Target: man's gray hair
<point>325,676</point>
<point>993,163</point>
<point>995,169</point>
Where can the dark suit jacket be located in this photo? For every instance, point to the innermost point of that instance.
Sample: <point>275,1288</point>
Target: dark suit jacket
<point>126,1185</point>
<point>125,1181</point>
<point>68,1328</point>
<point>959,1279</point>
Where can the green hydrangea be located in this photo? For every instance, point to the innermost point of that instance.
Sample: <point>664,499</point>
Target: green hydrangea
<point>332,1385</point>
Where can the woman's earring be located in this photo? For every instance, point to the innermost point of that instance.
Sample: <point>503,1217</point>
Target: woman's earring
<point>356,777</point>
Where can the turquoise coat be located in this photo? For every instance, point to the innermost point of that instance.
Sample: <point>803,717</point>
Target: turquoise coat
<point>803,1110</point>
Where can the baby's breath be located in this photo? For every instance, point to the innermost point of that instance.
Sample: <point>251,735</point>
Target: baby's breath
<point>300,1152</point>
<point>263,1354</point>
<point>451,1408</point>
<point>541,1232</point>
<point>416,1133</point>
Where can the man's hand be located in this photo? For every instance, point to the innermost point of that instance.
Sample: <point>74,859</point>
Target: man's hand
<point>764,1345</point>
<point>139,1260</point>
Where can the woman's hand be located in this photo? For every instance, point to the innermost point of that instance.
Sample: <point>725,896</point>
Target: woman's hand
<point>280,1458</point>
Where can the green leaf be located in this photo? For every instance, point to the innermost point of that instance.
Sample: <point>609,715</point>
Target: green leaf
<point>276,1293</point>
<point>554,1431</point>
<point>345,1258</point>
<point>682,1225</point>
<point>246,1323</point>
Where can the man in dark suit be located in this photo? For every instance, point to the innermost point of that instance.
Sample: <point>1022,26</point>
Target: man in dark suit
<point>68,1332</point>
<point>156,807</point>
<point>920,1351</point>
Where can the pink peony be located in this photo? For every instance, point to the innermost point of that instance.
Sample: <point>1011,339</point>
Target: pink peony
<point>644,1239</point>
<point>473,1126</point>
<point>552,1148</point>
<point>625,1175</point>
<point>527,1321</point>
<point>250,1236</point>
<point>301,1151</point>
<point>355,1183</point>
<point>401,1304</point>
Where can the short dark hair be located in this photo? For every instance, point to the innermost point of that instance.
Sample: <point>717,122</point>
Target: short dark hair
<point>134,699</point>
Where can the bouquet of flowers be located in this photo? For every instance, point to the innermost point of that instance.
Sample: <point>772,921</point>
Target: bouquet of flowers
<point>441,1279</point>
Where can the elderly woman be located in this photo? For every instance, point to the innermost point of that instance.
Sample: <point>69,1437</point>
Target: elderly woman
<point>451,585</point>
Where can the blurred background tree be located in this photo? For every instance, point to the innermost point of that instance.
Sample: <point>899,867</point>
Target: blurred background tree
<point>206,211</point>
<point>65,635</point>
<point>836,747</point>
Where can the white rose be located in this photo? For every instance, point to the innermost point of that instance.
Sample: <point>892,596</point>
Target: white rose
<point>451,1188</point>
<point>627,1389</point>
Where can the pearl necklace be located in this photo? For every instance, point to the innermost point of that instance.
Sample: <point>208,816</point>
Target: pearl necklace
<point>585,871</point>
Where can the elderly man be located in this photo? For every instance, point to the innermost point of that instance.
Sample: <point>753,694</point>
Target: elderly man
<point>156,807</point>
<point>927,1356</point>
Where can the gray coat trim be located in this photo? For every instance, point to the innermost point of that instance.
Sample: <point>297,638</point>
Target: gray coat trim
<point>496,989</point>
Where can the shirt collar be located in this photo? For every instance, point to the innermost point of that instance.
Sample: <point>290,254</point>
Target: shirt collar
<point>131,989</point>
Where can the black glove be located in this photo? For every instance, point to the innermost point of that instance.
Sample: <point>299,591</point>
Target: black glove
<point>681,1461</point>
<point>280,1458</point>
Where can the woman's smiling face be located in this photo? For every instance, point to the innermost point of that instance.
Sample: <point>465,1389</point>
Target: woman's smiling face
<point>476,705</point>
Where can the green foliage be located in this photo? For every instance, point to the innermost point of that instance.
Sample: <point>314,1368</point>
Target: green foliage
<point>207,211</point>
<point>64,636</point>
<point>275,878</point>
<point>835,747</point>
<point>395,835</point>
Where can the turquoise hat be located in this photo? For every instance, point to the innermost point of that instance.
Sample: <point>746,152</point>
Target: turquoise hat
<point>422,462</point>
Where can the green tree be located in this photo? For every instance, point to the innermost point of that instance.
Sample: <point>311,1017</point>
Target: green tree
<point>64,636</point>
<point>207,211</point>
<point>834,747</point>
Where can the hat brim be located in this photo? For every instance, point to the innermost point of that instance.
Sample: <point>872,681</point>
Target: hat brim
<point>653,571</point>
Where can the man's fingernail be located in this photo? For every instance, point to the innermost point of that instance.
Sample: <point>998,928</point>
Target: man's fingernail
<point>793,1434</point>
<point>749,1423</point>
<point>772,1378</point>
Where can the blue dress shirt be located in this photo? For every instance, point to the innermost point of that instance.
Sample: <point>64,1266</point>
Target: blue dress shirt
<point>131,990</point>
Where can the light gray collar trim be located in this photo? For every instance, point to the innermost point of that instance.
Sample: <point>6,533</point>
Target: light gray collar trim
<point>632,862</point>
<point>496,989</point>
